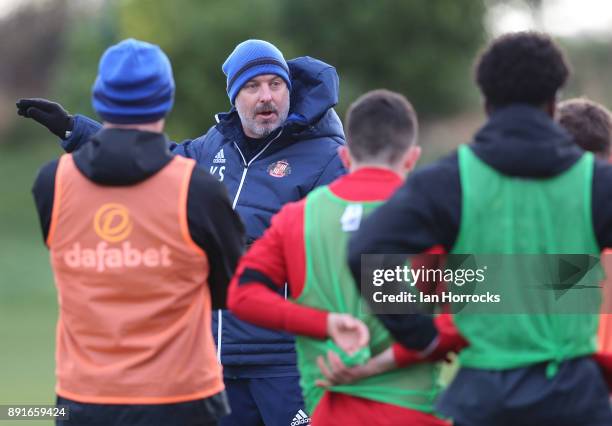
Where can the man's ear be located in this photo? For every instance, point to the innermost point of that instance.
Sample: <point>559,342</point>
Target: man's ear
<point>345,157</point>
<point>411,157</point>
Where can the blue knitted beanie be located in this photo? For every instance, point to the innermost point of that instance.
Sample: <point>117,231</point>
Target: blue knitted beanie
<point>134,84</point>
<point>250,59</point>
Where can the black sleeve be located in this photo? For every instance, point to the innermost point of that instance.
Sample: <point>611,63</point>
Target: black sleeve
<point>601,203</point>
<point>425,212</point>
<point>217,229</point>
<point>44,191</point>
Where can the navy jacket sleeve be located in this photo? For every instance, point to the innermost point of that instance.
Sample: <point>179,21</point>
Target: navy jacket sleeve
<point>43,191</point>
<point>85,127</point>
<point>217,229</point>
<point>422,214</point>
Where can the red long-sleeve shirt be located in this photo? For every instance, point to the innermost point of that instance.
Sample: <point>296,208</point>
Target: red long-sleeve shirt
<point>279,257</point>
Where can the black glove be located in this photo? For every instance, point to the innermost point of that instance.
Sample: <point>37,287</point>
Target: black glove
<point>50,114</point>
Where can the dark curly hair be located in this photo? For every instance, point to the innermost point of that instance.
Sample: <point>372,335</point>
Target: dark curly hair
<point>524,67</point>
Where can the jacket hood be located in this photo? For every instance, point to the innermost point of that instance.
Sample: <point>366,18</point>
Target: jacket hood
<point>118,157</point>
<point>314,93</point>
<point>523,141</point>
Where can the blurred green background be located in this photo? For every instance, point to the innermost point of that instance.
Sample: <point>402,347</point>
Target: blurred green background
<point>50,48</point>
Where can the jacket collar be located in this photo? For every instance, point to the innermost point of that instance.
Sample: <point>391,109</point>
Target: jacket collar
<point>521,140</point>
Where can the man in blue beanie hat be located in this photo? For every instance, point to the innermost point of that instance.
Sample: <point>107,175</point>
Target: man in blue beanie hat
<point>142,245</point>
<point>277,143</point>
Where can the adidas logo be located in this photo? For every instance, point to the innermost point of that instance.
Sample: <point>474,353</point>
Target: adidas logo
<point>219,158</point>
<point>301,418</point>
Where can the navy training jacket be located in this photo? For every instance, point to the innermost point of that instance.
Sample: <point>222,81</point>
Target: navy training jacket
<point>260,177</point>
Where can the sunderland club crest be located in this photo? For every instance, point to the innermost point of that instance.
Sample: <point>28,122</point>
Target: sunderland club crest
<point>279,169</point>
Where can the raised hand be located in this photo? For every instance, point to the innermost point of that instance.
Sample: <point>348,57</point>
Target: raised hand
<point>50,114</point>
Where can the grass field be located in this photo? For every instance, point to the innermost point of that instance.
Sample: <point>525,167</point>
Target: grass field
<point>27,295</point>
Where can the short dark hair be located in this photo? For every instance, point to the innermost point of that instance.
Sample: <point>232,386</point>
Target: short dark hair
<point>523,67</point>
<point>380,126</point>
<point>589,123</point>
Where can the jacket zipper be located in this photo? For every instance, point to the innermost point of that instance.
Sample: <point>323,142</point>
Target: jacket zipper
<point>246,165</point>
<point>244,173</point>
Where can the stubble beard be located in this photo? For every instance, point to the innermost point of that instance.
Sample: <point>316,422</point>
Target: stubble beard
<point>262,130</point>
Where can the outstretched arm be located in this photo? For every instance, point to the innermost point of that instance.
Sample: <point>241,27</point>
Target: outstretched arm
<point>73,131</point>
<point>76,130</point>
